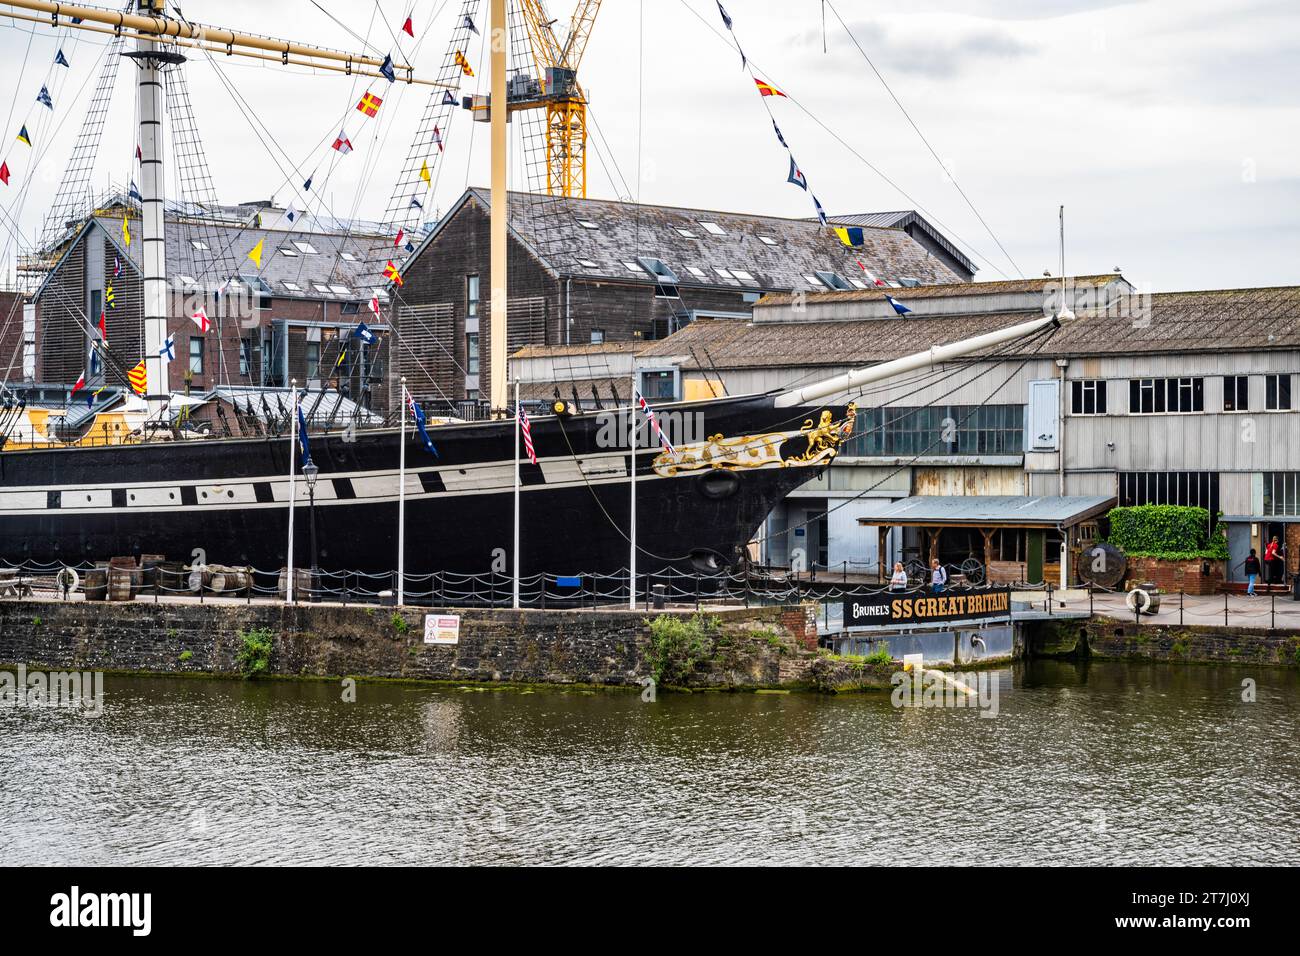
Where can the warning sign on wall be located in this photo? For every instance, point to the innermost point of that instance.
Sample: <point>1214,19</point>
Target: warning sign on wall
<point>442,628</point>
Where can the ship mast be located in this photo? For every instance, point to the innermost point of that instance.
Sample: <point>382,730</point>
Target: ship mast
<point>498,355</point>
<point>150,58</point>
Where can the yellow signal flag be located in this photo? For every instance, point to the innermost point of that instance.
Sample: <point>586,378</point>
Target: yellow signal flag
<point>138,378</point>
<point>126,232</point>
<point>464,64</point>
<point>424,174</point>
<point>256,253</point>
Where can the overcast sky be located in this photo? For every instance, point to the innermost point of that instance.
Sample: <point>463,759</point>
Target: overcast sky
<point>1169,129</point>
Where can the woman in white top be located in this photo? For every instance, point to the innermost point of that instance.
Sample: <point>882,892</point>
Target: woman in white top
<point>899,580</point>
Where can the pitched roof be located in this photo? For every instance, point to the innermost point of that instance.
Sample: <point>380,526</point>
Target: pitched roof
<point>1171,322</point>
<point>901,219</point>
<point>565,233</point>
<point>1000,287</point>
<point>320,267</point>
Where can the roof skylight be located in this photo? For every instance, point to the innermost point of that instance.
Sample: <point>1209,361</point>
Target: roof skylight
<point>588,224</point>
<point>767,240</point>
<point>712,228</point>
<point>306,248</point>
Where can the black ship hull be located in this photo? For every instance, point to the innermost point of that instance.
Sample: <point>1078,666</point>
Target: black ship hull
<point>226,501</point>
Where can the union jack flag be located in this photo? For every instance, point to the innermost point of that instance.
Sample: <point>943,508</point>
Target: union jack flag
<point>526,427</point>
<point>650,416</point>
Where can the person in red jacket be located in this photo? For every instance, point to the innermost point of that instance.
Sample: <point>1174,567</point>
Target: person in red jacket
<point>1273,561</point>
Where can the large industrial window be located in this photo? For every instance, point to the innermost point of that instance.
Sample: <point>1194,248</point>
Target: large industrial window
<point>1088,397</point>
<point>1155,396</point>
<point>1199,489</point>
<point>1236,393</point>
<point>1277,393</point>
<point>939,430</point>
<point>313,360</point>
<point>1282,493</point>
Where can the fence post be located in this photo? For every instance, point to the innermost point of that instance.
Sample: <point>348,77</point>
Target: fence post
<point>1089,599</point>
<point>1272,610</point>
<point>697,593</point>
<point>1180,607</point>
<point>1225,608</point>
<point>157,575</point>
<point>1049,599</point>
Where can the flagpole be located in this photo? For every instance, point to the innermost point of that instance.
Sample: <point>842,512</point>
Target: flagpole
<point>401,507</point>
<point>631,561</point>
<point>517,482</point>
<point>293,456</point>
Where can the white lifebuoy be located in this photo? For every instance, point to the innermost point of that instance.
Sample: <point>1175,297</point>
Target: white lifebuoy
<point>1138,600</point>
<point>75,579</point>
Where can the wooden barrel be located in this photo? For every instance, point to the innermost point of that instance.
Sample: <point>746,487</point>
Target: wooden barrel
<point>225,580</point>
<point>120,585</point>
<point>149,565</point>
<point>95,584</point>
<point>301,584</point>
<point>129,567</point>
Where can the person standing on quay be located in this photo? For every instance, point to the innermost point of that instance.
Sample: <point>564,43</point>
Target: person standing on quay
<point>1273,562</point>
<point>898,581</point>
<point>938,576</point>
<point>1251,567</point>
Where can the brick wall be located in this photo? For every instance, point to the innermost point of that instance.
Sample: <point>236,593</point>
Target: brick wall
<point>1173,576</point>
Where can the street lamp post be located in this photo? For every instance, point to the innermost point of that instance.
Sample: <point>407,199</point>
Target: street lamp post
<point>310,473</point>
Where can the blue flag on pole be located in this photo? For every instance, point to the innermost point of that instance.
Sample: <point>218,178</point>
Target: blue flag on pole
<point>302,436</point>
<point>418,414</point>
<point>362,332</point>
<point>898,306</point>
<point>386,68</point>
<point>61,60</point>
<point>44,97</point>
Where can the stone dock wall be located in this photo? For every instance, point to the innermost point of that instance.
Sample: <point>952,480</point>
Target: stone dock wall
<point>754,648</point>
<point>1116,640</point>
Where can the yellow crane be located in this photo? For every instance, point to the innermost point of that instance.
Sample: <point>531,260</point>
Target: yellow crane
<point>561,95</point>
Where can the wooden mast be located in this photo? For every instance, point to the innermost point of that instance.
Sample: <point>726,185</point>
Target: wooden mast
<point>498,359</point>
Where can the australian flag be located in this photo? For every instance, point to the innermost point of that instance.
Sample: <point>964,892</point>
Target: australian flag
<point>302,437</point>
<point>418,414</point>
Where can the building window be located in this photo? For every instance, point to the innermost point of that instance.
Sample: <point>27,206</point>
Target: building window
<point>1282,493</point>
<point>471,353</point>
<point>1197,489</point>
<point>939,430</point>
<point>1088,397</point>
<point>1156,396</point>
<point>245,356</point>
<point>597,336</point>
<point>1236,393</point>
<point>471,297</point>
<point>659,385</point>
<point>313,360</point>
<point>1277,393</point>
<point>196,354</point>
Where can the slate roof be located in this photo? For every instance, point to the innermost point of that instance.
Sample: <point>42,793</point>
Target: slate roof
<point>1000,287</point>
<point>1173,322</point>
<point>552,228</point>
<point>947,510</point>
<point>902,219</point>
<point>229,235</point>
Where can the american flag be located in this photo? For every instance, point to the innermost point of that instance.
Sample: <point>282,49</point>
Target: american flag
<point>526,427</point>
<point>650,416</point>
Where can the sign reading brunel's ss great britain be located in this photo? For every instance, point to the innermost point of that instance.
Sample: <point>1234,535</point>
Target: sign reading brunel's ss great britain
<point>893,609</point>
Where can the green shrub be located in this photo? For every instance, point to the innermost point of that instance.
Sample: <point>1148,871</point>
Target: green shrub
<point>399,623</point>
<point>186,655</point>
<point>1171,532</point>
<point>255,656</point>
<point>678,644</point>
<point>880,655</point>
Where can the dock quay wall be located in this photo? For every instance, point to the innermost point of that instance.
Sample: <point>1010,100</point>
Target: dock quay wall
<point>751,648</point>
<point>1116,640</point>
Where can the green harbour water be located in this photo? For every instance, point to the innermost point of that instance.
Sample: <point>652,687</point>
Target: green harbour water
<point>1100,763</point>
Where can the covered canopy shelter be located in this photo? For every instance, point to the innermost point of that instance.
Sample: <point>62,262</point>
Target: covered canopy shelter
<point>1069,517</point>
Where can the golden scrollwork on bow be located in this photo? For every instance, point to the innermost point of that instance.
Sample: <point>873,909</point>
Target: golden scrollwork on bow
<point>745,452</point>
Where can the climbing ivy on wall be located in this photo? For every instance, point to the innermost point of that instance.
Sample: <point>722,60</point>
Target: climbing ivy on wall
<point>1172,532</point>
